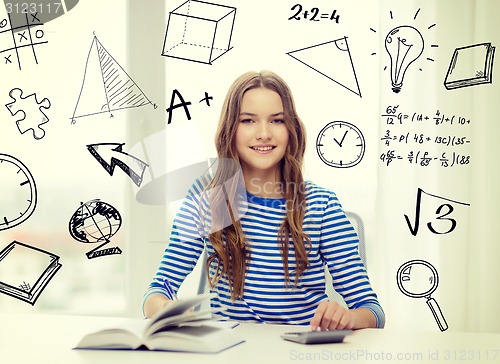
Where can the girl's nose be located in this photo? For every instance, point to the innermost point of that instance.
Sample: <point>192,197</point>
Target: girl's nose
<point>263,131</point>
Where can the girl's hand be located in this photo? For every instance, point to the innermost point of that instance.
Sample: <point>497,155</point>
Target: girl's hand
<point>332,316</point>
<point>155,303</point>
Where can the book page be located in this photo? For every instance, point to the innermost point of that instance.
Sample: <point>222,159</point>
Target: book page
<point>180,306</point>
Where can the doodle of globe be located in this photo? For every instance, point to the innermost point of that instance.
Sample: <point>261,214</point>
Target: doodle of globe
<point>94,221</point>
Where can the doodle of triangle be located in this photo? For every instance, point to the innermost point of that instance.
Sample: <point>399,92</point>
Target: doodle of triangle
<point>331,59</point>
<point>106,86</point>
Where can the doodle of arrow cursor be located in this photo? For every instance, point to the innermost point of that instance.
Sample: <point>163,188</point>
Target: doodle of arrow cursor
<point>110,155</point>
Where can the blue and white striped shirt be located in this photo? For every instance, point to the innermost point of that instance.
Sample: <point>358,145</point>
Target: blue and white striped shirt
<point>267,298</point>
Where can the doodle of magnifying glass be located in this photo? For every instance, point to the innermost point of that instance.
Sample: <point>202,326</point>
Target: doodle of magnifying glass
<point>419,279</point>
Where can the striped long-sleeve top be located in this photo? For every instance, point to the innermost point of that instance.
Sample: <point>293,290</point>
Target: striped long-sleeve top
<point>267,297</point>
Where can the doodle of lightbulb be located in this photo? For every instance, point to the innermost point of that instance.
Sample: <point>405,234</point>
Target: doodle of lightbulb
<point>404,44</point>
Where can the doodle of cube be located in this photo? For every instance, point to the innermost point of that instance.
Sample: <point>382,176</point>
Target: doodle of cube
<point>199,31</point>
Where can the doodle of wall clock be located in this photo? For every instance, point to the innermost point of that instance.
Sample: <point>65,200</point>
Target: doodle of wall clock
<point>340,144</point>
<point>18,183</point>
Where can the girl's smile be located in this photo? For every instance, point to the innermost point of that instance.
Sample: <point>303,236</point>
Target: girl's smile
<point>263,149</point>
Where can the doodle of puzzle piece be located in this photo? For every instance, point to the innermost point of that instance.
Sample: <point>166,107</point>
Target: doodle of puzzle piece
<point>29,112</point>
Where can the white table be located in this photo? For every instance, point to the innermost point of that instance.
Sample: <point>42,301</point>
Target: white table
<point>38,338</point>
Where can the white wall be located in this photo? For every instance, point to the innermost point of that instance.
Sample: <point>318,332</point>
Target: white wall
<point>133,32</point>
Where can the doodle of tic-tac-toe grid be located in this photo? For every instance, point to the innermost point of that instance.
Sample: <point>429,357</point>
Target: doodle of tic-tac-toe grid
<point>19,40</point>
<point>199,31</point>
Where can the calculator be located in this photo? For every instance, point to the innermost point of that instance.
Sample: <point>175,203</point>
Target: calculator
<point>316,337</point>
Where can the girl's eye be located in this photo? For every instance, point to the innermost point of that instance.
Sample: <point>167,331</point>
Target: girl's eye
<point>278,121</point>
<point>246,121</point>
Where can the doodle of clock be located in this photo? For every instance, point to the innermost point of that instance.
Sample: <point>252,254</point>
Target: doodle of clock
<point>18,183</point>
<point>340,144</point>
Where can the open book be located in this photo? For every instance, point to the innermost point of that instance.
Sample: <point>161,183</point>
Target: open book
<point>176,328</point>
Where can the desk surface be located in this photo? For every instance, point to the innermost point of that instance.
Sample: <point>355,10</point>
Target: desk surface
<point>40,338</point>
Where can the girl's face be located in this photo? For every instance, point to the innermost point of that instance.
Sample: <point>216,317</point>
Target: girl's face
<point>261,135</point>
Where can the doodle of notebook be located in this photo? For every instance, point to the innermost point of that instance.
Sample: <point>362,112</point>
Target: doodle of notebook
<point>469,66</point>
<point>25,271</point>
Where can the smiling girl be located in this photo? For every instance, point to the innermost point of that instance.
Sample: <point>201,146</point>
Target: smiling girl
<point>268,243</point>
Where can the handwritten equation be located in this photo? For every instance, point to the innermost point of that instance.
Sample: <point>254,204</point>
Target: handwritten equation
<point>313,14</point>
<point>443,146</point>
<point>407,138</point>
<point>425,159</point>
<point>392,116</point>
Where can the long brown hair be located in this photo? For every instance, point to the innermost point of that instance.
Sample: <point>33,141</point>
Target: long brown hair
<point>231,252</point>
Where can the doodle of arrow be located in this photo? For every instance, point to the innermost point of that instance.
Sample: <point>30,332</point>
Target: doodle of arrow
<point>110,155</point>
